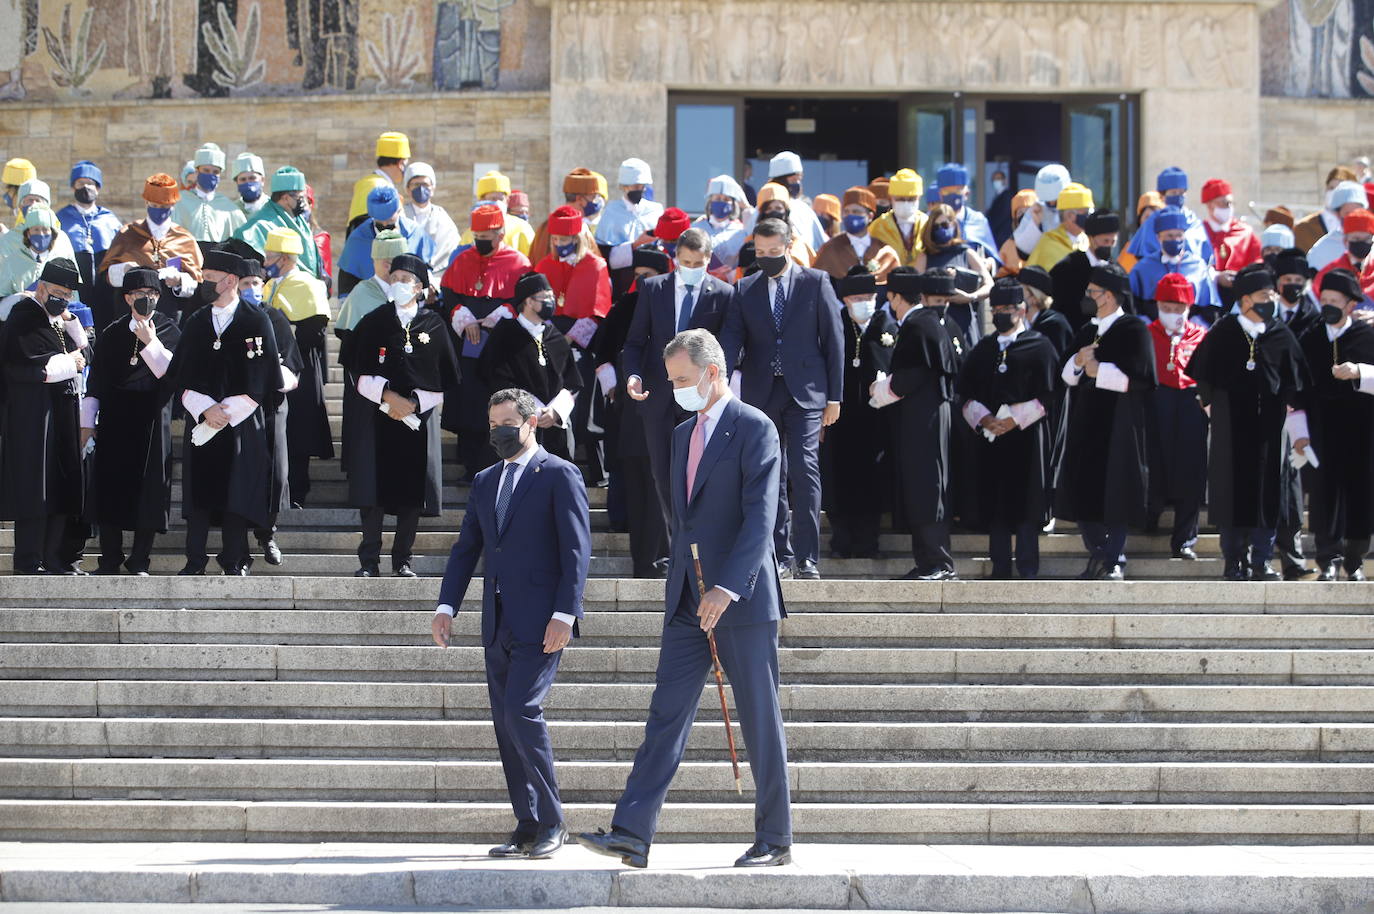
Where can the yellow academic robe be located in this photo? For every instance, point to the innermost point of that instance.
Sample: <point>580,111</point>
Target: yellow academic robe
<point>1054,246</point>
<point>885,229</point>
<point>298,295</point>
<point>360,191</point>
<point>519,235</point>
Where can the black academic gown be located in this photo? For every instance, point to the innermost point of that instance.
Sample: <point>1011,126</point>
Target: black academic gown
<point>468,415</point>
<point>511,359</point>
<point>924,364</point>
<point>1012,471</point>
<point>1070,277</point>
<point>1340,421</point>
<point>307,422</point>
<point>854,452</point>
<point>391,466</point>
<point>1104,477</point>
<point>1056,328</point>
<point>132,461</point>
<point>232,472</point>
<point>40,457</point>
<point>1246,453</point>
<point>624,427</point>
<point>277,408</point>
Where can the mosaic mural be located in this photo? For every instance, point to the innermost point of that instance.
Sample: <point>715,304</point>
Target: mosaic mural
<point>1318,49</point>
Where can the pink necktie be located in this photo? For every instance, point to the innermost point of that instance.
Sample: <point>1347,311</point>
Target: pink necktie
<point>694,449</point>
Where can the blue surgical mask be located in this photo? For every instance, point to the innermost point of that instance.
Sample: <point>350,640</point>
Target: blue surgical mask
<point>953,201</point>
<point>855,223</point>
<point>592,207</point>
<point>1175,200</point>
<point>207,182</point>
<point>273,270</point>
<point>1173,247</point>
<point>250,191</point>
<point>159,214</point>
<point>722,209</point>
<point>691,276</point>
<point>421,193</point>
<point>9,201</point>
<point>943,234</point>
<point>252,295</point>
<point>40,243</point>
<point>565,250</point>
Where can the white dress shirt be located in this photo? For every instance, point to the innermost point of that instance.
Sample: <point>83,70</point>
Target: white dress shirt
<point>1024,414</point>
<point>1109,377</point>
<point>239,406</point>
<point>373,386</point>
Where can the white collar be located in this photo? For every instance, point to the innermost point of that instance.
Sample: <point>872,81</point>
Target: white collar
<point>714,413</point>
<point>1254,328</point>
<point>1334,333</point>
<point>535,330</point>
<point>159,231</point>
<point>222,316</point>
<point>863,328</point>
<point>1165,258</point>
<point>83,208</point>
<point>910,311</point>
<point>1217,227</point>
<point>1092,258</point>
<point>407,314</point>
<point>1103,323</point>
<point>1006,339</point>
<point>206,196</point>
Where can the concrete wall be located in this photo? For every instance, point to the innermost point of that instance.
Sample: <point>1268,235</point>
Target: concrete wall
<point>1301,139</point>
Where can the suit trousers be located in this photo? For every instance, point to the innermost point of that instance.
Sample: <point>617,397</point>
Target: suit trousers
<point>658,436</point>
<point>930,547</point>
<point>519,676</point>
<point>1246,547</point>
<point>402,545</point>
<point>749,656</point>
<point>644,516</point>
<point>797,535</point>
<point>1104,542</point>
<point>234,532</point>
<point>1027,548</point>
<point>38,541</point>
<point>112,549</point>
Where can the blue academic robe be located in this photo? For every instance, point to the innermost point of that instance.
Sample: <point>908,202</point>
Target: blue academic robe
<point>357,253</point>
<point>1146,241</point>
<point>1149,271</point>
<point>977,231</point>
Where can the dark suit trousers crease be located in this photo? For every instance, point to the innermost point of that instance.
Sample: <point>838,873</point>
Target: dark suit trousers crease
<point>749,657</point>
<point>402,545</point>
<point>112,548</point>
<point>519,676</point>
<point>234,534</point>
<point>648,536</point>
<point>39,541</point>
<point>930,547</point>
<point>797,535</point>
<point>658,436</point>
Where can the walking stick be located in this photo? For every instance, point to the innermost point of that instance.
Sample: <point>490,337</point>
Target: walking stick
<point>720,678</point>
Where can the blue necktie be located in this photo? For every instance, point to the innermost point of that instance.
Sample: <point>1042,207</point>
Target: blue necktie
<point>503,498</point>
<point>777,326</point>
<point>684,317</point>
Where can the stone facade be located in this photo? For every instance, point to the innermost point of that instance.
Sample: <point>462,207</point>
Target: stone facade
<point>1302,139</point>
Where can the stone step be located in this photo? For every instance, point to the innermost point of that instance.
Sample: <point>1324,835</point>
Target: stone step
<point>271,877</point>
<point>644,628</point>
<point>906,737</point>
<point>332,663</point>
<point>356,781</point>
<point>905,823</point>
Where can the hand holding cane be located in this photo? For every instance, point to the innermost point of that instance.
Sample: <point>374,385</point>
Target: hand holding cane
<point>720,678</point>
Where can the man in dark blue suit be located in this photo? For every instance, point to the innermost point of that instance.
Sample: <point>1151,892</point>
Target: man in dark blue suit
<point>687,299</point>
<point>726,462</point>
<point>785,320</point>
<point>527,517</point>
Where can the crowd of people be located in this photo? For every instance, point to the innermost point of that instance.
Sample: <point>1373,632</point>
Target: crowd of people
<point>1046,361</point>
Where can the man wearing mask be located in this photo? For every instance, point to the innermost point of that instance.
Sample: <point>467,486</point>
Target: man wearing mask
<point>127,409</point>
<point>1299,311</point>
<point>1309,229</point>
<point>1334,430</point>
<point>157,243</point>
<point>1235,244</point>
<point>853,454</point>
<point>1174,256</point>
<point>1348,197</point>
<point>1358,236</point>
<point>1104,479</point>
<point>1074,206</point>
<point>431,218</point>
<point>41,485</point>
<point>1273,239</point>
<point>917,397</point>
<point>773,203</point>
<point>901,228</point>
<point>785,322</point>
<point>952,180</point>
<point>479,291</point>
<point>1041,215</point>
<point>519,207</point>
<point>854,246</point>
<point>631,218</point>
<point>785,170</point>
<point>285,210</point>
<point>1006,385</point>
<point>90,226</point>
<point>517,233</point>
<point>18,172</point>
<point>1070,276</point>
<point>393,154</point>
<point>1172,185</point>
<point>26,251</point>
<point>207,214</point>
<point>723,221</point>
<point>384,212</point>
<point>531,603</point>
<point>401,360</point>
<point>1177,424</point>
<point>249,174</point>
<point>583,191</point>
<point>1250,370</point>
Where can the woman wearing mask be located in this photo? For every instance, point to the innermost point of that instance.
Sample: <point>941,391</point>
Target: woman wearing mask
<point>430,217</point>
<point>827,209</point>
<point>942,245</point>
<point>37,241</point>
<point>854,246</point>
<point>774,203</point>
<point>723,220</point>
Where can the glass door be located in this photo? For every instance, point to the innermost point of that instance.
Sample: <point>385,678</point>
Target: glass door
<point>1099,141</point>
<point>932,134</point>
<point>703,142</point>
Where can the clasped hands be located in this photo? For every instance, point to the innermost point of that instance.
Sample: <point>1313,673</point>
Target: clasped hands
<point>1086,359</point>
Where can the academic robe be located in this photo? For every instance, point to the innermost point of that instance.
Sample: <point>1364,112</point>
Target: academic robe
<point>135,244</point>
<point>1055,327</point>
<point>1366,277</point>
<point>1145,242</point>
<point>1306,314</point>
<point>1070,283</point>
<point>924,365</point>
<point>132,461</point>
<point>1177,429</point>
<point>90,234</point>
<point>355,263</point>
<point>302,299</point>
<point>887,230</point>
<point>1054,246</point>
<point>1234,245</point>
<point>976,231</point>
<point>391,466</point>
<point>1146,274</point>
<point>837,256</point>
<point>271,216</point>
<point>1105,475</point>
<point>511,359</point>
<point>1245,458</point>
<point>232,472</point>
<point>1012,472</point>
<point>40,458</point>
<point>583,289</point>
<point>212,220</point>
<point>854,453</point>
<point>277,410</point>
<point>1340,422</point>
<point>726,241</point>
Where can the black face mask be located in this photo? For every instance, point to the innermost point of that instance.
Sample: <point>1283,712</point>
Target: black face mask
<point>1332,315</point>
<point>505,441</point>
<point>55,306</point>
<point>827,221</point>
<point>1002,322</point>
<point>299,208</point>
<point>1088,305</point>
<point>143,306</point>
<point>1271,261</point>
<point>794,188</point>
<point>85,195</point>
<point>1359,250</point>
<point>1264,309</point>
<point>1291,292</point>
<point>545,310</point>
<point>884,207</point>
<point>1102,253</point>
<point>772,266</point>
<point>207,292</point>
<point>634,196</point>
<point>484,246</point>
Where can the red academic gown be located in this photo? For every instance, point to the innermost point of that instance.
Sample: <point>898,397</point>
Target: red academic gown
<point>1343,263</point>
<point>1235,246</point>
<point>1177,429</point>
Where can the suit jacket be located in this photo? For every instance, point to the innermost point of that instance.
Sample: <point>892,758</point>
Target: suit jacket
<point>655,325</point>
<point>812,348</point>
<point>730,515</point>
<point>539,562</point>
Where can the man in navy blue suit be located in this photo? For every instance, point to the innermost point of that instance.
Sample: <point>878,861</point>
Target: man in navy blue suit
<point>726,462</point>
<point>785,320</point>
<point>687,299</point>
<point>527,517</point>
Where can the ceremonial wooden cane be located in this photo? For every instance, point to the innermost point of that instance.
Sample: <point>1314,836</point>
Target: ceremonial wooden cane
<point>720,677</point>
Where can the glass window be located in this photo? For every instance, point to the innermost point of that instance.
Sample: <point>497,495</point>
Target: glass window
<point>704,146</point>
<point>1094,159</point>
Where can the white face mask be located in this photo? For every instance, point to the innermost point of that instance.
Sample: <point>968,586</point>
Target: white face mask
<point>1171,322</point>
<point>998,187</point>
<point>691,398</point>
<point>863,310</point>
<point>691,276</point>
<point>499,204</point>
<point>403,293</point>
<point>904,210</point>
<point>1223,215</point>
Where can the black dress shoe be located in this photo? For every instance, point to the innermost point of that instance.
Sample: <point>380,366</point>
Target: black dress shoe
<point>999,575</point>
<point>517,845</point>
<point>240,572</point>
<point>784,571</point>
<point>915,574</point>
<point>403,571</point>
<point>368,571</point>
<point>1186,553</point>
<point>33,569</point>
<point>102,570</point>
<point>764,854</point>
<point>1092,572</point>
<point>1111,573</point>
<point>271,552</point>
<point>631,850</point>
<point>1264,573</point>
<point>190,570</point>
<point>807,571</point>
<point>1356,575</point>
<point>1235,573</point>
<point>1294,573</point>
<point>1329,573</point>
<point>939,574</point>
<point>547,841</point>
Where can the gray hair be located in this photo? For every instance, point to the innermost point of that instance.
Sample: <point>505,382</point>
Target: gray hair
<point>524,401</point>
<point>774,228</point>
<point>695,239</point>
<point>701,347</point>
